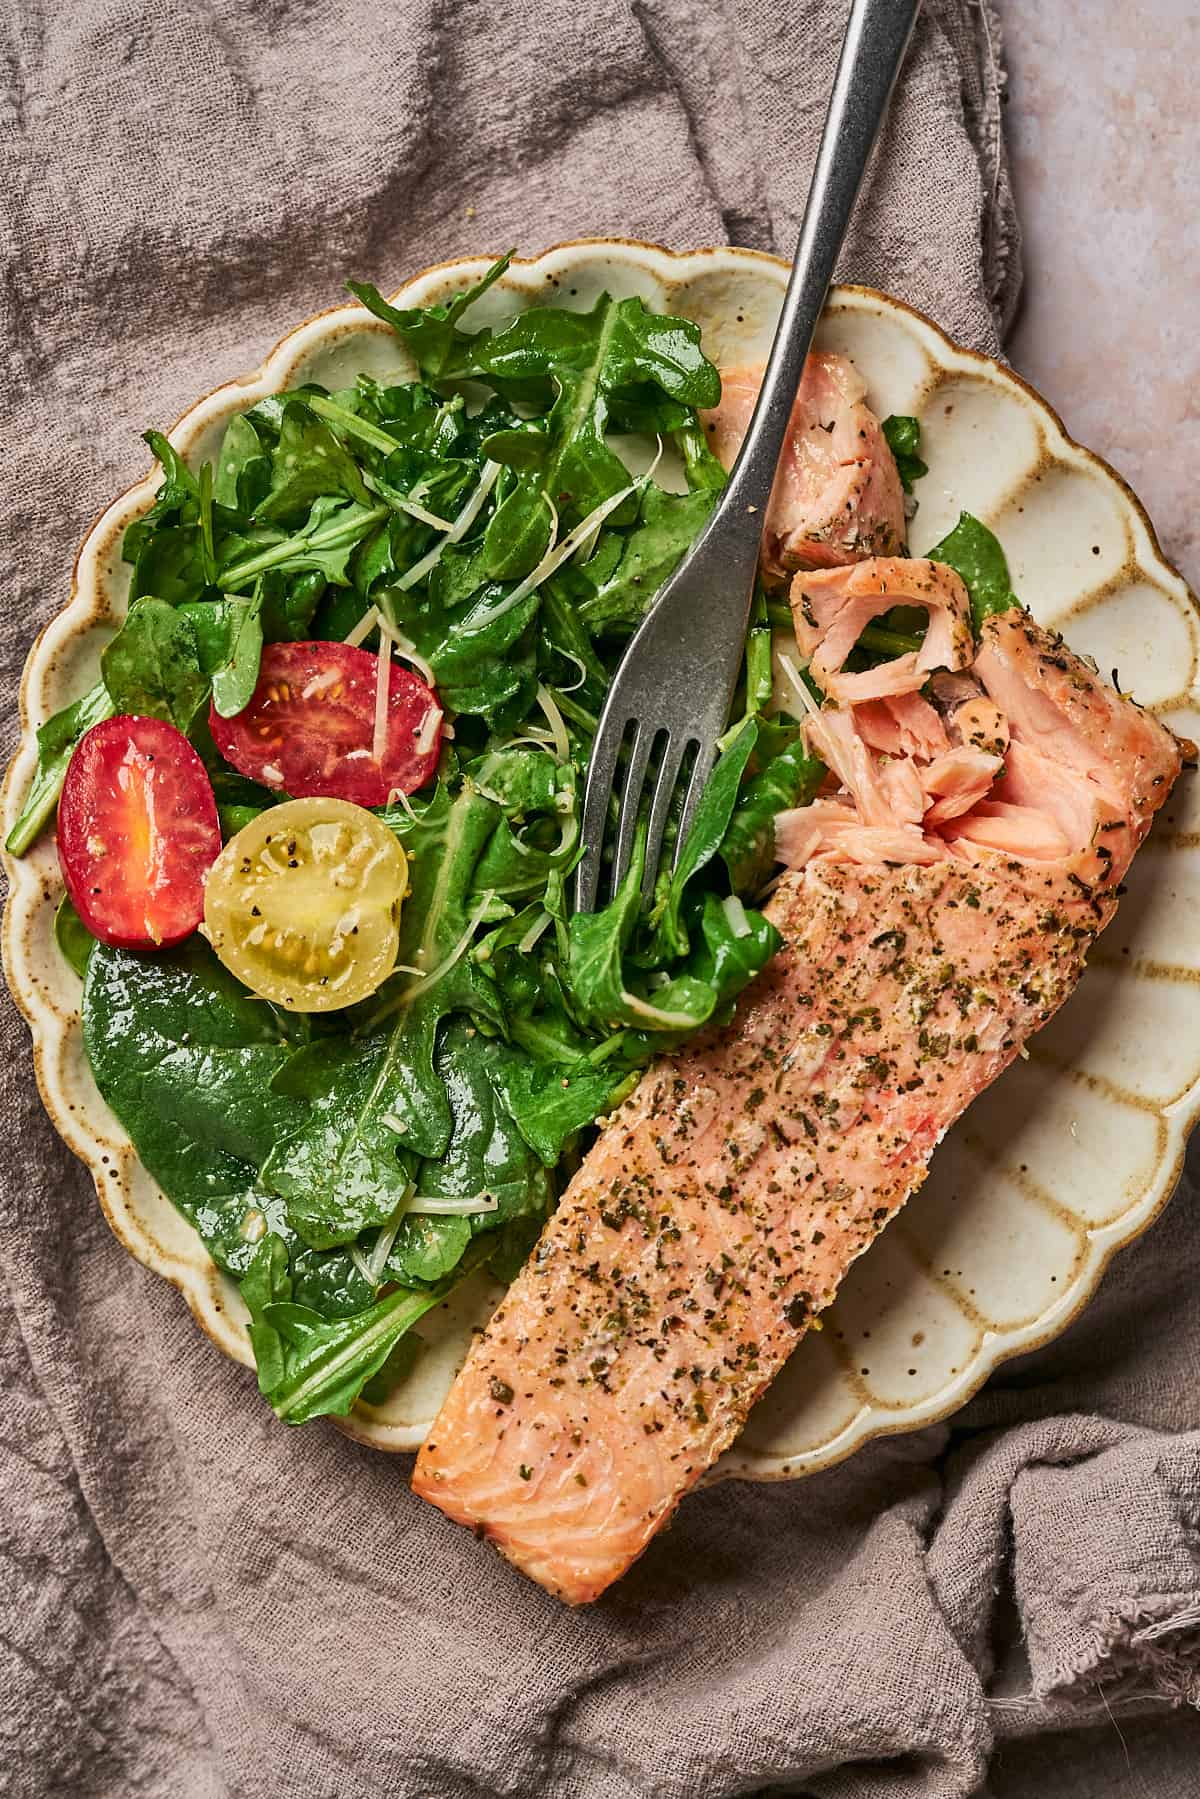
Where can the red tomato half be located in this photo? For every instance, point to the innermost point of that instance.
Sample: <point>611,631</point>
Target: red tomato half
<point>137,833</point>
<point>309,729</point>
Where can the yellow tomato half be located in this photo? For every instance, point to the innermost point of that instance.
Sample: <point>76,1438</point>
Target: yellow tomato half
<point>303,905</point>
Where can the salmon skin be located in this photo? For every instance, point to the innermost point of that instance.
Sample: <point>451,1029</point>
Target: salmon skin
<point>720,1208</point>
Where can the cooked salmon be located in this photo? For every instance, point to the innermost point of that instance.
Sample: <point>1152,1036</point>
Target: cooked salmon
<point>832,608</point>
<point>721,1206</point>
<point>837,495</point>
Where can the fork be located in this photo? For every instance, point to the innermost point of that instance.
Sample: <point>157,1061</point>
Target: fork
<point>676,681</point>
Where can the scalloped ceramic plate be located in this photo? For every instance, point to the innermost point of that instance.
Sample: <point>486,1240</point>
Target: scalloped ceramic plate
<point>1065,1159</point>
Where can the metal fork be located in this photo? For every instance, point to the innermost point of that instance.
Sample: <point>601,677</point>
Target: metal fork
<point>677,678</point>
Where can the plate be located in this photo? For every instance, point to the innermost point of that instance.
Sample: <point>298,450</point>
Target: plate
<point>1070,1155</point>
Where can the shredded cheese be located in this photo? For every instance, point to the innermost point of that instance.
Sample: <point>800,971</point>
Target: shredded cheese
<point>383,669</point>
<point>458,530</point>
<point>427,735</point>
<point>437,1205</point>
<point>735,914</point>
<point>552,560</point>
<point>554,718</point>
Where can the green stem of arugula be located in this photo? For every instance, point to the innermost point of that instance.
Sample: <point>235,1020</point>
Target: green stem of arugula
<point>329,537</point>
<point>350,423</point>
<point>578,714</point>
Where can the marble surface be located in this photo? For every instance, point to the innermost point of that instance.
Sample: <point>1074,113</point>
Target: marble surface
<point>1105,137</point>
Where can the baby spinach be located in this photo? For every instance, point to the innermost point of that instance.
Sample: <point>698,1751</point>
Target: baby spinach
<point>73,937</point>
<point>903,435</point>
<point>152,666</point>
<point>974,553</point>
<point>186,1058</point>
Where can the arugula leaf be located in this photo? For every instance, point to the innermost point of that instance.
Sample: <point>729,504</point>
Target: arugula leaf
<point>707,833</point>
<point>791,777</point>
<point>550,1103</point>
<point>308,463</point>
<point>597,942</point>
<point>903,435</point>
<point>726,958</point>
<point>73,937</point>
<point>333,530</point>
<point>430,332</point>
<point>519,533</point>
<point>974,553</point>
<point>314,1366</point>
<point>266,1282</point>
<point>56,744</point>
<point>152,665</point>
<point>176,502</point>
<point>587,360</point>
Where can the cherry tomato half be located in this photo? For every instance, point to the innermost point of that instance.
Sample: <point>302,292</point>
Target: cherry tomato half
<point>310,725</point>
<point>137,833</point>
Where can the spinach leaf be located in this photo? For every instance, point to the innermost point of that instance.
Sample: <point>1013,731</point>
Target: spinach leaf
<point>185,1057</point>
<point>341,1172</point>
<point>243,475</point>
<point>903,435</point>
<point>73,937</point>
<point>372,1104</point>
<point>236,677</point>
<point>152,666</point>
<point>791,777</point>
<point>667,526</point>
<point>56,744</point>
<point>974,553</point>
<point>308,463</point>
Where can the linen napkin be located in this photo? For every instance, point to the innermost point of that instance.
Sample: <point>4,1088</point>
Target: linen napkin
<point>198,1603</point>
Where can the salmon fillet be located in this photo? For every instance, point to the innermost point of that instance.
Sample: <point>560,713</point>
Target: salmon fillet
<point>837,495</point>
<point>721,1206</point>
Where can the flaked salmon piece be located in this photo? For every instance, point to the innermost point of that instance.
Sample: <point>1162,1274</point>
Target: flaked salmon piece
<point>835,832</point>
<point>902,724</point>
<point>832,608</point>
<point>837,495</point>
<point>956,781</point>
<point>719,1209</point>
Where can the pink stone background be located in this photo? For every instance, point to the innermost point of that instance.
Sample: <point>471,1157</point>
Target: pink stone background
<point>1103,125</point>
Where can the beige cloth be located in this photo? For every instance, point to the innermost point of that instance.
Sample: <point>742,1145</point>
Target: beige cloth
<point>198,1603</point>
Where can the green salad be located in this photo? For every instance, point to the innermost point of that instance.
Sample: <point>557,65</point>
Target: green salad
<point>354,1028</point>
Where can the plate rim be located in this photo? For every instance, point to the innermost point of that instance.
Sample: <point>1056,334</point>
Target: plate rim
<point>49,1026</point>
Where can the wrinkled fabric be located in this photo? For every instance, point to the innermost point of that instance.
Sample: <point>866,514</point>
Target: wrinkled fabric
<point>197,1602</point>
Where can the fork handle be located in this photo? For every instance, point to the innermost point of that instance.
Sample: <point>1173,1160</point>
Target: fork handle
<point>877,36</point>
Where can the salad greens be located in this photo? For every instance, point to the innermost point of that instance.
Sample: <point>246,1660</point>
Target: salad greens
<point>349,1168</point>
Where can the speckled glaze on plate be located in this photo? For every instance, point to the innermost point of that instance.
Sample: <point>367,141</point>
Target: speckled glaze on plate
<point>1068,1157</point>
